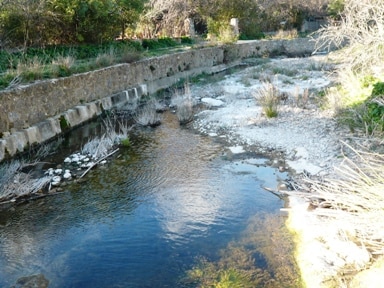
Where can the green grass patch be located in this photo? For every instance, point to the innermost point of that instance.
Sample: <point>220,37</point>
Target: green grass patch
<point>366,113</point>
<point>60,61</point>
<point>125,142</point>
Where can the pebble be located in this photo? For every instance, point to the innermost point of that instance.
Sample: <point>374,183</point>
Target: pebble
<point>67,175</point>
<point>49,172</point>
<point>56,180</point>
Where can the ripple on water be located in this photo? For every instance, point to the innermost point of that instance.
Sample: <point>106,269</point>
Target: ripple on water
<point>143,219</point>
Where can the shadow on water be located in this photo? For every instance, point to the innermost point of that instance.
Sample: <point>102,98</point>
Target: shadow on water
<point>164,206</point>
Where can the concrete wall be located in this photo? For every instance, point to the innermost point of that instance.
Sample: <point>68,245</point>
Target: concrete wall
<point>32,114</point>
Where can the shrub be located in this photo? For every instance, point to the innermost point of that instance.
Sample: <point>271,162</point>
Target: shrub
<point>167,42</point>
<point>378,89</point>
<point>7,79</point>
<point>186,40</point>
<point>255,36</point>
<point>221,30</point>
<point>31,69</point>
<point>129,55</point>
<point>373,116</point>
<point>150,44</point>
<point>160,43</point>
<point>368,113</point>
<point>62,65</point>
<point>106,59</point>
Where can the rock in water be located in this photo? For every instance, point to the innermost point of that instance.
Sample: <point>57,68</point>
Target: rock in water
<point>33,281</point>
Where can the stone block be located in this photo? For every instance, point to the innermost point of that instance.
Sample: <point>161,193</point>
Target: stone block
<point>15,143</point>
<point>142,90</point>
<point>94,109</point>
<point>106,103</point>
<point>48,129</point>
<point>119,99</point>
<point>3,144</point>
<point>32,135</point>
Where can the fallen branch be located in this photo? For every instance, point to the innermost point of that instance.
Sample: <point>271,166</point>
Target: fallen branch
<point>276,193</point>
<point>97,162</point>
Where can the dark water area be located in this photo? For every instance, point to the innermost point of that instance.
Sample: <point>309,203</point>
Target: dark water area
<point>144,218</point>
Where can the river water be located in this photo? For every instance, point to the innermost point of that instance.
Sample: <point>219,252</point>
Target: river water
<point>145,218</point>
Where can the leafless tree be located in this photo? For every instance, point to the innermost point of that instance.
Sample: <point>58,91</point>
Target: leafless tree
<point>166,17</point>
<point>362,29</point>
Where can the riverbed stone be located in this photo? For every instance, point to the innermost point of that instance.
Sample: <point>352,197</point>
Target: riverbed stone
<point>33,281</point>
<point>212,102</point>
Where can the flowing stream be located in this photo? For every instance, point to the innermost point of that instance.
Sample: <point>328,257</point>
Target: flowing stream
<point>144,219</point>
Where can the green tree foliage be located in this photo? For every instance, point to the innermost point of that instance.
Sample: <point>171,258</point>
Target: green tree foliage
<point>335,8</point>
<point>166,17</point>
<point>219,12</point>
<point>42,22</point>
<point>22,22</point>
<point>45,22</point>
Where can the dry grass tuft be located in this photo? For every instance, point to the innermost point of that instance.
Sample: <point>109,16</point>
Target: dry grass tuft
<point>106,59</point>
<point>147,115</point>
<point>184,105</point>
<point>355,197</point>
<point>268,97</point>
<point>66,62</point>
<point>14,183</point>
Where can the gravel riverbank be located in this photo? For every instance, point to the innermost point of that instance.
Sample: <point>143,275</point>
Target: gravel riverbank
<point>310,140</point>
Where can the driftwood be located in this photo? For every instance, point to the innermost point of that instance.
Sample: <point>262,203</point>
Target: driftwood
<point>276,193</point>
<point>97,162</point>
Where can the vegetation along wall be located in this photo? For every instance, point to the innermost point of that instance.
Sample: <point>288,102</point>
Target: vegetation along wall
<point>35,113</point>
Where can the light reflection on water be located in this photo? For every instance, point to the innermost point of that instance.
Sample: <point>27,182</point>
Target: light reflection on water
<point>142,220</point>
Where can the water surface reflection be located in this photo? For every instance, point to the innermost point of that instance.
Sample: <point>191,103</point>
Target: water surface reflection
<point>141,220</point>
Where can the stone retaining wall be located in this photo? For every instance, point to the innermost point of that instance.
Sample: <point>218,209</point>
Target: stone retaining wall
<point>32,114</point>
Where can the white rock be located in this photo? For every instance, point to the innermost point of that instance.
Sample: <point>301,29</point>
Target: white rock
<point>67,175</point>
<point>67,160</point>
<point>58,171</point>
<point>301,152</point>
<point>212,102</point>
<point>75,159</point>
<point>103,162</point>
<point>49,172</point>
<point>90,164</point>
<point>237,149</point>
<point>56,180</point>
